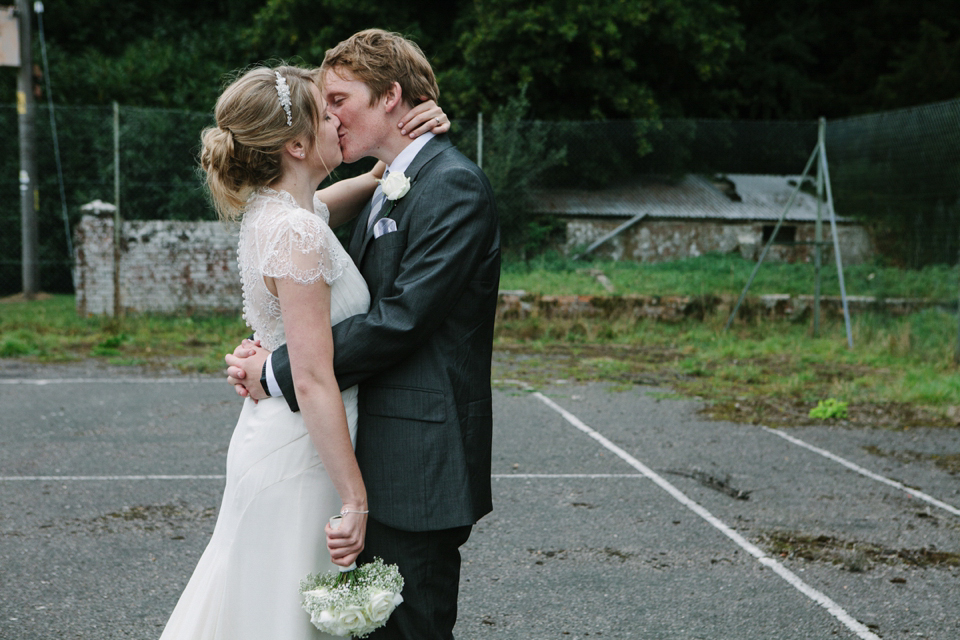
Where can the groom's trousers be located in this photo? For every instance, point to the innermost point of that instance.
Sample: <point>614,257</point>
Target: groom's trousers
<point>429,562</point>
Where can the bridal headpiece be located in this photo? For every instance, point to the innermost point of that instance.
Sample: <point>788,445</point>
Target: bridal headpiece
<point>283,93</point>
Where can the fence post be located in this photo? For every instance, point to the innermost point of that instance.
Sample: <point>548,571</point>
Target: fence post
<point>836,244</point>
<point>117,219</point>
<point>480,140</point>
<point>956,352</point>
<point>818,233</point>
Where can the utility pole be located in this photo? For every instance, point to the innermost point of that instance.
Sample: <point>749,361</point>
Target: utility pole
<point>29,193</point>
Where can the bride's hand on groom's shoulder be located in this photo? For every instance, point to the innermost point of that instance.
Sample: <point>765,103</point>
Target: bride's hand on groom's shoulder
<point>426,116</point>
<point>243,369</point>
<point>346,541</point>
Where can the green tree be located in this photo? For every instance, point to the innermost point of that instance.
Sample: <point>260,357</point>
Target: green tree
<point>517,154</point>
<point>925,70</point>
<point>307,28</point>
<point>147,53</point>
<point>770,77</point>
<point>591,59</point>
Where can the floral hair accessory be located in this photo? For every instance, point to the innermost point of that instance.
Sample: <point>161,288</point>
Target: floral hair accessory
<point>283,92</point>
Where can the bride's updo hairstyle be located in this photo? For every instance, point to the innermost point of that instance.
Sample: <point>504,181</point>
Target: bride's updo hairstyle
<point>242,153</point>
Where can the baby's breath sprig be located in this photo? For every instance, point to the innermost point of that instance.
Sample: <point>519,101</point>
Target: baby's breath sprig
<point>352,603</point>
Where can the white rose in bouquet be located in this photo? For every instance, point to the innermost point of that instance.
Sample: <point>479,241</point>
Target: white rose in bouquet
<point>326,621</point>
<point>352,618</point>
<point>352,603</point>
<point>382,604</point>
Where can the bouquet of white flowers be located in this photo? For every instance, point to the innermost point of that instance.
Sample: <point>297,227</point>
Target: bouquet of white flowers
<point>352,603</point>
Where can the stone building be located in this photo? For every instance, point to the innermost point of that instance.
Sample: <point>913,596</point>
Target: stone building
<point>697,215</point>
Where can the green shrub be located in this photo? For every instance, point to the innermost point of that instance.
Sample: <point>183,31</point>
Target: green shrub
<point>829,409</point>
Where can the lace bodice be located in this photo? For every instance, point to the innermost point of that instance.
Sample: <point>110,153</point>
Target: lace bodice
<point>279,239</point>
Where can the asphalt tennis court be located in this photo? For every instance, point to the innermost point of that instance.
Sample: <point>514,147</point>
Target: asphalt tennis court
<point>618,514</point>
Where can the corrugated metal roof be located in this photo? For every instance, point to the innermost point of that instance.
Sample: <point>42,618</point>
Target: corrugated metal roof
<point>757,197</point>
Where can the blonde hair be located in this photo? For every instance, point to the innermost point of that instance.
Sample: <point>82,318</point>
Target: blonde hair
<point>242,153</point>
<point>379,58</point>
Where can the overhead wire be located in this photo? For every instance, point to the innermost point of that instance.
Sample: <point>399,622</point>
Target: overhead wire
<point>38,9</point>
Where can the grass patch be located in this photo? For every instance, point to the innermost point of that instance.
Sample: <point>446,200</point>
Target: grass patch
<point>899,375</point>
<point>50,330</point>
<point>721,274</point>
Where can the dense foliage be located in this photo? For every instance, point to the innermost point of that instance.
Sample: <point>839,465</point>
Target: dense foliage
<point>582,93</point>
<point>590,59</point>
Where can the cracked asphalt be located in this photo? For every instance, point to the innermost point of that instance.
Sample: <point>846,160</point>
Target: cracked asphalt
<point>110,481</point>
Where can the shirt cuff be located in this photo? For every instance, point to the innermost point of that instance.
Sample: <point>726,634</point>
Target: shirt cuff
<point>272,386</point>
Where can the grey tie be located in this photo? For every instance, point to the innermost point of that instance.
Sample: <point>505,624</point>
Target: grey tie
<point>378,200</point>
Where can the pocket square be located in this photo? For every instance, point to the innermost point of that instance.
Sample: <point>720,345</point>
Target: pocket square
<point>384,225</point>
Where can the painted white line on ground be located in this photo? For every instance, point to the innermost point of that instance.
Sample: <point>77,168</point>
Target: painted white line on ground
<point>496,476</point>
<point>40,382</point>
<point>537,476</point>
<point>874,476</point>
<point>103,478</point>
<point>835,610</point>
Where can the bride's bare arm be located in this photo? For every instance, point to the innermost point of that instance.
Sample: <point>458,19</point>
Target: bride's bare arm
<point>346,198</point>
<point>306,319</point>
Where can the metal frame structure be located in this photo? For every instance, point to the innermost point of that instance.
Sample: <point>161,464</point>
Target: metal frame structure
<point>823,184</point>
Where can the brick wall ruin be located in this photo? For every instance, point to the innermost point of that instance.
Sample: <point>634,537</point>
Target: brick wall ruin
<point>164,266</point>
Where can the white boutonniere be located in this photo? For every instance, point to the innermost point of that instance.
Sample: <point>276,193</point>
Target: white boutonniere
<point>395,186</point>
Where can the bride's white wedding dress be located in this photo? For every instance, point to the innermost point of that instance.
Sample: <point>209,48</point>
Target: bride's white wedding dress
<point>278,497</point>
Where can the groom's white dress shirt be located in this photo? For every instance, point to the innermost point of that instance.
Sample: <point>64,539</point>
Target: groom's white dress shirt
<point>400,163</point>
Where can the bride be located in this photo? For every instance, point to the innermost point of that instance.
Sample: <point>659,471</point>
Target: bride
<point>287,473</point>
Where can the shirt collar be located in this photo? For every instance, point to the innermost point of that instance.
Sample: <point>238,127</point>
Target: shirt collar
<point>405,157</point>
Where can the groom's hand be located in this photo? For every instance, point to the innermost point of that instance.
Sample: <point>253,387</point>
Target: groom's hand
<point>243,369</point>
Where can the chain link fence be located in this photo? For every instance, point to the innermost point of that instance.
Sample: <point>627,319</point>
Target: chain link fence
<point>898,171</point>
<point>158,178</point>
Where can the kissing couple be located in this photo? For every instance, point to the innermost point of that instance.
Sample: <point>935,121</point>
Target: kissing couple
<point>367,381</point>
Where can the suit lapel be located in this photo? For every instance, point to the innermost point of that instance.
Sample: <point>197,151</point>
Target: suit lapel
<point>390,207</point>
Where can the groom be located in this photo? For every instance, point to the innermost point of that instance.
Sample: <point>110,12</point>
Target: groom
<point>422,354</point>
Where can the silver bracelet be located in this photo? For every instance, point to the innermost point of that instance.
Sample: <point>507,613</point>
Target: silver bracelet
<point>345,511</point>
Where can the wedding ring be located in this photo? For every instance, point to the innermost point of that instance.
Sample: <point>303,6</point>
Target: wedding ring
<point>437,119</point>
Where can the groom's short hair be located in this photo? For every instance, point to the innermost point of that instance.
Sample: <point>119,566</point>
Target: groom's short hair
<point>379,58</point>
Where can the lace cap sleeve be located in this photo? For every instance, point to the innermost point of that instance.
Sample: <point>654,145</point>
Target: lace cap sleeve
<point>295,244</point>
<point>321,208</point>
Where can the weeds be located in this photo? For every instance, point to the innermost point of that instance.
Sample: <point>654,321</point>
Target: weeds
<point>771,373</point>
<point>720,274</point>
<point>900,373</point>
<point>854,556</point>
<point>829,409</point>
<point>49,330</point>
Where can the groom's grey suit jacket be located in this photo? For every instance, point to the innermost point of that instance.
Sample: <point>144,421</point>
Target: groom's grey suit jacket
<point>422,354</point>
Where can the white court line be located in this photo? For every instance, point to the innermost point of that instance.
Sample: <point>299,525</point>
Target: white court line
<point>874,476</point>
<point>41,382</point>
<point>835,610</point>
<point>103,478</point>
<point>496,476</point>
<point>501,476</point>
